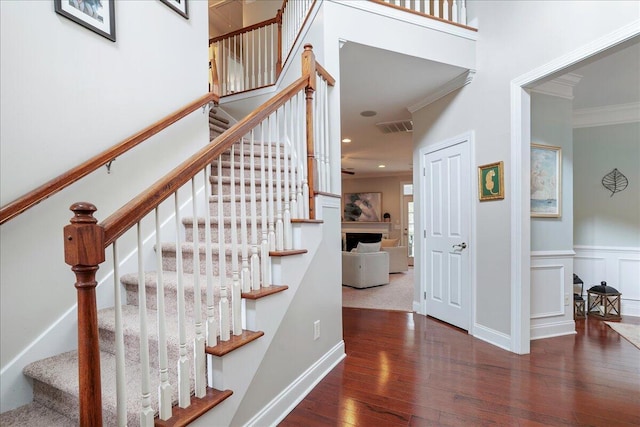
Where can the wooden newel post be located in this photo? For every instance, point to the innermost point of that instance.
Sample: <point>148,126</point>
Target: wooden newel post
<point>309,69</point>
<point>83,251</point>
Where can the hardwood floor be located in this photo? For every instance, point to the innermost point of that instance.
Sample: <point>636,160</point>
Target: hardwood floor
<point>404,369</point>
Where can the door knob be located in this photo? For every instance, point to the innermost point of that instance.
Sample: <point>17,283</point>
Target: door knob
<point>461,246</point>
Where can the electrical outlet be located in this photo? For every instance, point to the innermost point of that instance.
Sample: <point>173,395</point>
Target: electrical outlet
<point>316,330</point>
<point>567,299</point>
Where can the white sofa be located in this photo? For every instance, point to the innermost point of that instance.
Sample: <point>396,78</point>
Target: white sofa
<point>398,258</point>
<point>363,270</point>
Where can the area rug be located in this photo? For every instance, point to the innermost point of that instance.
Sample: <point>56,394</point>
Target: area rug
<point>629,332</point>
<point>397,295</point>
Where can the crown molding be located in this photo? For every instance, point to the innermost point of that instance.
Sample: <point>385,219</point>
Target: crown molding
<point>561,87</point>
<point>454,84</point>
<point>607,115</point>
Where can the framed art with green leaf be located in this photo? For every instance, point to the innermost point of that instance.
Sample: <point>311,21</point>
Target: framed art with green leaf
<point>491,181</point>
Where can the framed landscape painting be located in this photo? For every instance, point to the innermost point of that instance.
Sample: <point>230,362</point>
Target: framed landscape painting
<point>96,15</point>
<point>365,207</point>
<point>179,6</point>
<point>546,181</point>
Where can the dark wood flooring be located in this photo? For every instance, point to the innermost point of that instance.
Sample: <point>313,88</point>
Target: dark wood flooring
<point>404,369</point>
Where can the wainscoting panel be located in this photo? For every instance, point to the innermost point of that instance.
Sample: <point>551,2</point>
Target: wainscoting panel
<point>551,294</point>
<point>618,266</point>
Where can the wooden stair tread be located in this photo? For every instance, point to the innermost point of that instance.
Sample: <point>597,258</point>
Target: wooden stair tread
<point>307,221</point>
<point>234,343</point>
<point>288,253</point>
<point>199,406</point>
<point>264,292</point>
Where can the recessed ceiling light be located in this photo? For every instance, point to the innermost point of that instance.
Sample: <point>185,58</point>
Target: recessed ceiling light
<point>382,166</point>
<point>368,113</point>
<point>346,140</point>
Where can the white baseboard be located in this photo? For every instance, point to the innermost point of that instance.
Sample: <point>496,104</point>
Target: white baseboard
<point>417,307</point>
<point>276,410</point>
<point>492,336</point>
<point>549,330</point>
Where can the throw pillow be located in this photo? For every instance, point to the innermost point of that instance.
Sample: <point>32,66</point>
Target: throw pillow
<point>364,248</point>
<point>389,243</point>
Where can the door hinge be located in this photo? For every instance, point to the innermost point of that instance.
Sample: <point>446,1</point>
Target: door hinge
<point>425,294</point>
<point>425,234</point>
<point>424,171</point>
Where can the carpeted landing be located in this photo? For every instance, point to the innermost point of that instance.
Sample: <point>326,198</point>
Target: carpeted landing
<point>397,295</point>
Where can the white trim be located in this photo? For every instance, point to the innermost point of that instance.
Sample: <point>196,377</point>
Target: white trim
<point>520,170</point>
<point>492,336</point>
<point>276,410</point>
<point>620,249</point>
<point>454,84</point>
<point>417,306</point>
<point>410,18</point>
<point>607,115</point>
<point>557,329</point>
<point>553,254</point>
<point>561,87</point>
<point>559,310</point>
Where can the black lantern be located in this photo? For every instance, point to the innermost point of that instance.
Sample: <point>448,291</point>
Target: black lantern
<point>579,311</point>
<point>604,302</point>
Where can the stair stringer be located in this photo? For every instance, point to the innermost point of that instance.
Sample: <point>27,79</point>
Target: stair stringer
<point>236,370</point>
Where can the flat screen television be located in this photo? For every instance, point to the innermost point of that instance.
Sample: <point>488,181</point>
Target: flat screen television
<point>352,239</point>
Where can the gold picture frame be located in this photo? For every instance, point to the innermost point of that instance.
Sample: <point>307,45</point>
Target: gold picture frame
<point>491,181</point>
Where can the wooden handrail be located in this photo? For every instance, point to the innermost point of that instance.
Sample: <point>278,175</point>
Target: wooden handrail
<point>244,30</point>
<point>325,75</point>
<point>15,208</point>
<point>131,213</point>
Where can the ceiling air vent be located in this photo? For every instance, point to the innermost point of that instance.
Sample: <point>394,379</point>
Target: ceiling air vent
<point>397,126</point>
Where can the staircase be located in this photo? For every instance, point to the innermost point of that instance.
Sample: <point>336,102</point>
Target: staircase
<point>55,379</point>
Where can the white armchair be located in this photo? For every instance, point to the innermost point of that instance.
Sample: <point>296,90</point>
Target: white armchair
<point>398,258</point>
<point>363,270</point>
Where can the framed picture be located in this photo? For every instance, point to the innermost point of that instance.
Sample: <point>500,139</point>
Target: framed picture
<point>179,6</point>
<point>491,181</point>
<point>96,15</point>
<point>364,207</point>
<point>546,181</point>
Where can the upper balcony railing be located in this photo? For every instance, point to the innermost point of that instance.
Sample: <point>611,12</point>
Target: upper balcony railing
<point>253,57</point>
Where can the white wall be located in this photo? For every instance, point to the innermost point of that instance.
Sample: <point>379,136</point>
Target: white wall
<point>601,219</point>
<point>514,38</point>
<point>551,124</point>
<point>68,94</point>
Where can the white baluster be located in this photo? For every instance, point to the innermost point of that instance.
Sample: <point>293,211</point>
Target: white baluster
<point>253,59</point>
<point>436,8</point>
<point>245,275</point>
<point>225,327</point>
<point>198,341</point>
<point>236,308</point>
<point>264,247</point>
<point>293,208</point>
<point>272,231</point>
<point>445,9</point>
<point>272,61</point>
<point>279,221</point>
<point>146,412</point>
<point>212,326</point>
<point>164,388</point>
<point>327,141</point>
<point>463,12</point>
<point>266,58</point>
<point>287,231</point>
<point>304,199</point>
<point>184,393</point>
<point>121,382</point>
<point>319,125</point>
<point>454,11</point>
<point>255,259</point>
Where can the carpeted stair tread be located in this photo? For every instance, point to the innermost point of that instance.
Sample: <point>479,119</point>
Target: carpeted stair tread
<point>34,414</point>
<point>54,371</point>
<point>170,281</point>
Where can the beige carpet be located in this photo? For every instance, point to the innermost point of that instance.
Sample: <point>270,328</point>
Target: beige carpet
<point>628,331</point>
<point>397,295</point>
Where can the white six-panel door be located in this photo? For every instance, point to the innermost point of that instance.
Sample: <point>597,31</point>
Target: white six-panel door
<point>446,206</point>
